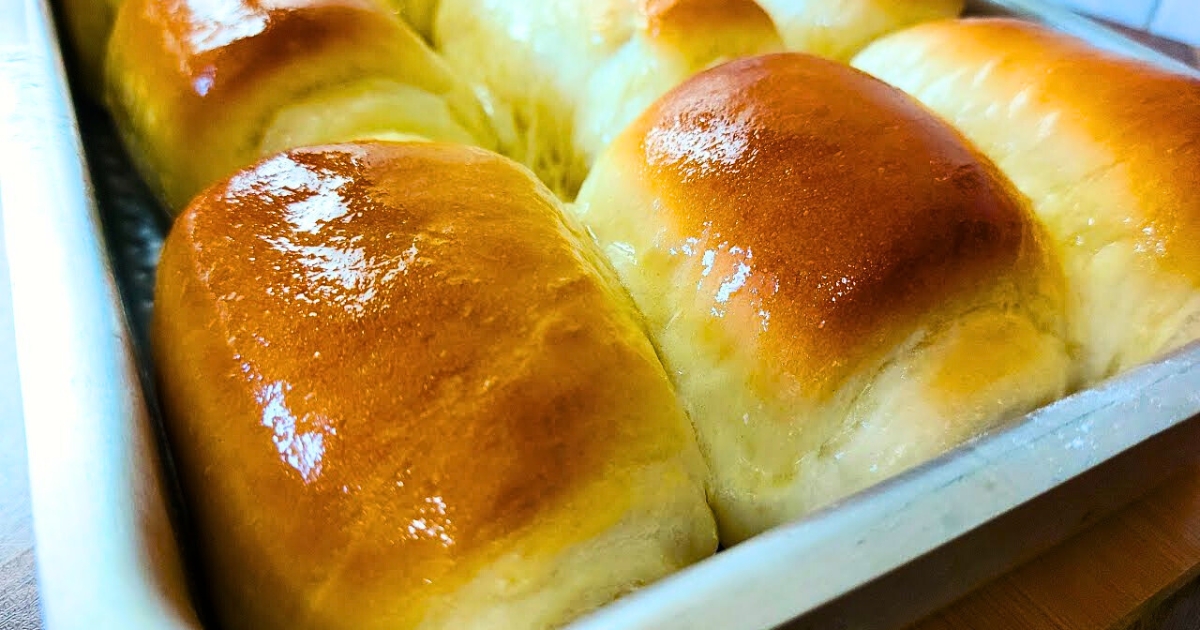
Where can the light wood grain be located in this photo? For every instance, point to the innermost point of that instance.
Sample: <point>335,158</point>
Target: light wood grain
<point>1103,578</point>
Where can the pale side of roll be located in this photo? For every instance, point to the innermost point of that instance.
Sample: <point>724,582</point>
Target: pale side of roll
<point>1107,149</point>
<point>571,75</point>
<point>839,28</point>
<point>200,88</point>
<point>840,286</point>
<point>416,399</point>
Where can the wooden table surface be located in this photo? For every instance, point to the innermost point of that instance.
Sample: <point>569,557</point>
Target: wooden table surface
<point>1121,572</point>
<point>1139,569</point>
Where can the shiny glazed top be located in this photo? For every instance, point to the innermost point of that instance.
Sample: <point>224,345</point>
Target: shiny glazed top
<point>412,359</point>
<point>825,209</point>
<point>1144,119</point>
<point>194,84</point>
<point>212,46</point>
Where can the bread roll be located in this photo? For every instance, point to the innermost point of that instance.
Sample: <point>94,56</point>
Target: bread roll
<point>571,75</point>
<point>1107,148</point>
<point>416,400</point>
<point>89,23</point>
<point>839,28</point>
<point>201,88</point>
<point>839,284</point>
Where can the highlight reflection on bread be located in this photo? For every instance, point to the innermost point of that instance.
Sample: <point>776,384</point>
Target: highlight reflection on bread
<point>402,391</point>
<point>571,75</point>
<point>1108,150</point>
<point>840,286</point>
<point>200,88</point>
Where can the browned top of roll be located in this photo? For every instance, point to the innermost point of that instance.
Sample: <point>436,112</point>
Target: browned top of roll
<point>210,49</point>
<point>852,210</point>
<point>677,20</point>
<point>1148,116</point>
<point>195,84</point>
<point>402,354</point>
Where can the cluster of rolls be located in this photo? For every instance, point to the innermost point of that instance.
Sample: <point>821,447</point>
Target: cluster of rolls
<point>481,313</point>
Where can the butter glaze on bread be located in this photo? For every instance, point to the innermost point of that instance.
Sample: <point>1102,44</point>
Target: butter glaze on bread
<point>1107,149</point>
<point>840,286</point>
<point>201,88</point>
<point>402,392</point>
<point>568,76</point>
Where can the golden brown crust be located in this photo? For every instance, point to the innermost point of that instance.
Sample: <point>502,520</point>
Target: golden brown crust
<point>1106,148</point>
<point>1150,118</point>
<point>568,76</point>
<point>187,78</point>
<point>195,85</point>
<point>680,20</point>
<point>411,360</point>
<point>209,58</point>
<point>216,43</point>
<point>840,286</point>
<point>830,227</point>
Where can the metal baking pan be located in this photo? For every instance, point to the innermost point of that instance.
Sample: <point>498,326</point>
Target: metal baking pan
<point>82,238</point>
